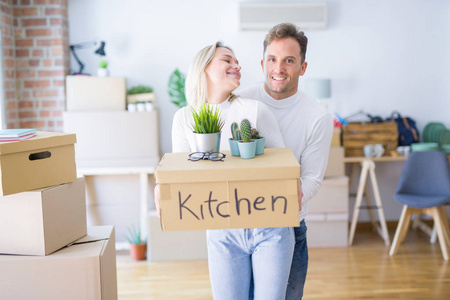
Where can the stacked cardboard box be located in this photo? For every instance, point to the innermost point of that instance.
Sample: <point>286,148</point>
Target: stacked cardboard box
<point>327,218</point>
<point>43,225</point>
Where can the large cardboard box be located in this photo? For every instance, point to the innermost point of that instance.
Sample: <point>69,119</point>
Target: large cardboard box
<point>95,93</point>
<point>174,245</point>
<point>44,160</point>
<point>84,270</point>
<point>114,138</point>
<point>42,221</point>
<point>331,197</point>
<point>335,166</point>
<point>234,193</point>
<point>327,230</point>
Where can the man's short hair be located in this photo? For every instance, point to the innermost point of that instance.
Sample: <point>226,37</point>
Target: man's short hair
<point>284,31</point>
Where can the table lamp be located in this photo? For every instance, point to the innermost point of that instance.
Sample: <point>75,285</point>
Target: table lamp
<point>100,51</point>
<point>319,89</point>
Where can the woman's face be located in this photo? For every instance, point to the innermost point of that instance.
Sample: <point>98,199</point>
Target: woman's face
<point>223,71</point>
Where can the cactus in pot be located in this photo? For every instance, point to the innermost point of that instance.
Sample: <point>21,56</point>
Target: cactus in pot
<point>235,132</point>
<point>247,147</point>
<point>255,134</point>
<point>246,131</point>
<point>235,138</point>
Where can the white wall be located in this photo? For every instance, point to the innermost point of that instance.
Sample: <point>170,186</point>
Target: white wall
<point>380,54</point>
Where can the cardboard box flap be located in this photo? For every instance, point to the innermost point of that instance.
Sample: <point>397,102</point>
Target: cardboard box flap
<point>95,233</point>
<point>275,163</point>
<point>42,140</point>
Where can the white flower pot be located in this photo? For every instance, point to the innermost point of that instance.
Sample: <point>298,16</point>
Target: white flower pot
<point>101,72</point>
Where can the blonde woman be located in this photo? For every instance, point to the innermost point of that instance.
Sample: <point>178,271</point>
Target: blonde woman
<point>242,262</point>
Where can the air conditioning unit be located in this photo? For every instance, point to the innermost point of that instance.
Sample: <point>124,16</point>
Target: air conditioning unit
<point>263,16</point>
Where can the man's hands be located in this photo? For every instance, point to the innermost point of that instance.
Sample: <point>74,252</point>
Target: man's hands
<point>156,198</point>
<point>300,194</point>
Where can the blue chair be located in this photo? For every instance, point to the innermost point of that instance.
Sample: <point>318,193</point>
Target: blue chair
<point>424,187</point>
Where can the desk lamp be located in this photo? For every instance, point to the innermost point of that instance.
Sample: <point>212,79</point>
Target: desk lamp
<point>319,89</point>
<point>100,51</point>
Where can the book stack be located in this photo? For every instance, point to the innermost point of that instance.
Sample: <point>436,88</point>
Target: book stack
<point>46,249</point>
<point>10,135</point>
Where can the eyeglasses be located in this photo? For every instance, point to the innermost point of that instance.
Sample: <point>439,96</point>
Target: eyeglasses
<point>214,156</point>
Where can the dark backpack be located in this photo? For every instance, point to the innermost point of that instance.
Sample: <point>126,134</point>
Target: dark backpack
<point>407,130</point>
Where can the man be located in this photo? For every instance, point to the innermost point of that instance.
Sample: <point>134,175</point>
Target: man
<point>306,127</point>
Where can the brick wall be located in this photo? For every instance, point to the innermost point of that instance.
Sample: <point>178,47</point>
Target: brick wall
<point>37,62</point>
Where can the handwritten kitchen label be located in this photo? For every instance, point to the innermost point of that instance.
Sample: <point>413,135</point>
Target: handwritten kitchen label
<point>243,204</point>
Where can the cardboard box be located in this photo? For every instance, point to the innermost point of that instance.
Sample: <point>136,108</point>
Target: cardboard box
<point>335,166</point>
<point>234,193</point>
<point>114,138</point>
<point>95,93</point>
<point>336,139</point>
<point>174,245</point>
<point>44,160</point>
<point>42,221</point>
<point>327,230</point>
<point>85,270</point>
<point>331,197</point>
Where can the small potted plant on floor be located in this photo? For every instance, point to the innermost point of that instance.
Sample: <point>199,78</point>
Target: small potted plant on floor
<point>234,140</point>
<point>247,147</point>
<point>138,246</point>
<point>207,127</point>
<point>141,94</point>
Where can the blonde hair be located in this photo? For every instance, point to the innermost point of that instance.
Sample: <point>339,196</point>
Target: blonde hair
<point>196,87</point>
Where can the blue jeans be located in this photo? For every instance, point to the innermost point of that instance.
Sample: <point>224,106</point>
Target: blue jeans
<point>236,256</point>
<point>299,264</point>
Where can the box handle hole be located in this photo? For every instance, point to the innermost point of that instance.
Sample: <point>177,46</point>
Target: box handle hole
<point>40,155</point>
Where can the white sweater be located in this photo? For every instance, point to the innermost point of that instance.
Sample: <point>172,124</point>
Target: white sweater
<point>257,113</point>
<point>307,129</point>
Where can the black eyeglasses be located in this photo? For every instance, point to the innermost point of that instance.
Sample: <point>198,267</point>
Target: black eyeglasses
<point>214,156</point>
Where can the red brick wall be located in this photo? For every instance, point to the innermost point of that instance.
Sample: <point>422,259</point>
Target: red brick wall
<point>37,63</point>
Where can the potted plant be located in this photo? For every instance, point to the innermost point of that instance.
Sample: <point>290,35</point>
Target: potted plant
<point>234,140</point>
<point>247,147</point>
<point>176,88</point>
<point>260,141</point>
<point>207,127</point>
<point>143,96</point>
<point>102,70</point>
<point>138,246</point>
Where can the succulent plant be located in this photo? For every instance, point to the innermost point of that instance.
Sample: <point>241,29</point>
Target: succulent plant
<point>235,132</point>
<point>246,131</point>
<point>255,134</point>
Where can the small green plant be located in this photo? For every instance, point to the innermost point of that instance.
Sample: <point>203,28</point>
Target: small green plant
<point>246,131</point>
<point>207,119</point>
<point>235,132</point>
<point>134,235</point>
<point>176,88</point>
<point>103,64</point>
<point>140,89</point>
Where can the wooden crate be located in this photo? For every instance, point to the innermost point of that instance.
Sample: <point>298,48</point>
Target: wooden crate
<point>356,135</point>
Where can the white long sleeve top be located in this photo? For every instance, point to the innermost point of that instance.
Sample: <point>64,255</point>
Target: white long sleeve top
<point>257,113</point>
<point>307,129</point>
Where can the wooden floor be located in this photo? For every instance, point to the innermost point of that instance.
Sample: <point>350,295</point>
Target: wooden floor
<point>363,271</point>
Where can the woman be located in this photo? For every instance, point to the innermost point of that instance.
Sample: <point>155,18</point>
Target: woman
<point>235,256</point>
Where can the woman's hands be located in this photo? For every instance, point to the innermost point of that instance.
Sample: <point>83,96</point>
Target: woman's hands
<point>156,198</point>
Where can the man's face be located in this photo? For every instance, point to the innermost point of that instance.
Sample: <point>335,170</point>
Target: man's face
<point>282,66</point>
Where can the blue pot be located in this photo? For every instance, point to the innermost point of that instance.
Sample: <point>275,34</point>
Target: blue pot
<point>234,147</point>
<point>260,144</point>
<point>247,150</point>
